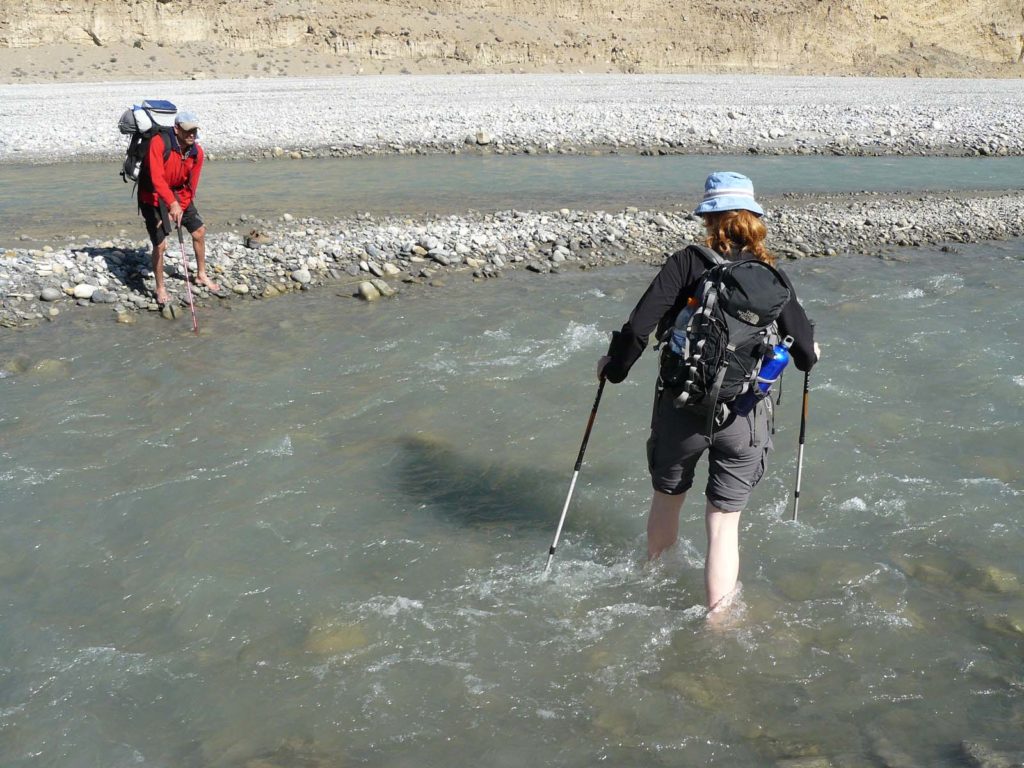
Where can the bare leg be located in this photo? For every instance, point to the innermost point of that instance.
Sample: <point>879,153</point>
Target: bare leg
<point>199,245</point>
<point>663,522</point>
<point>722,566</point>
<point>158,272</point>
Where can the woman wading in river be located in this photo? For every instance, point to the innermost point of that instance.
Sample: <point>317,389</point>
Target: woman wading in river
<point>737,445</point>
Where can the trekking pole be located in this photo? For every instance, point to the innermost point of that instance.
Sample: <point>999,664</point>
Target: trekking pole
<point>576,473</point>
<point>800,452</point>
<point>188,283</point>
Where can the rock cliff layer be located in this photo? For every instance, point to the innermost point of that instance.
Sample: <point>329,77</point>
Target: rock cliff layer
<point>967,38</point>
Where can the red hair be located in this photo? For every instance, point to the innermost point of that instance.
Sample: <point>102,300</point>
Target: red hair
<point>742,230</point>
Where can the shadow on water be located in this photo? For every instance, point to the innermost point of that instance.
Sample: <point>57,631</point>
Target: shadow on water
<point>481,492</point>
<point>469,491</point>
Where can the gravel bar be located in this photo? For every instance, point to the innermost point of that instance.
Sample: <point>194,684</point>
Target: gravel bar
<point>531,113</point>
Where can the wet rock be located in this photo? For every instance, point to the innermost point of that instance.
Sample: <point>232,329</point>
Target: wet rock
<point>1008,624</point>
<point>368,291</point>
<point>978,755</point>
<point>18,364</point>
<point>297,753</point>
<point>991,578</point>
<point>335,640</point>
<point>50,368</point>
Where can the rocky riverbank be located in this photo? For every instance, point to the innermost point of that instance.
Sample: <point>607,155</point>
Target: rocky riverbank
<point>373,257</point>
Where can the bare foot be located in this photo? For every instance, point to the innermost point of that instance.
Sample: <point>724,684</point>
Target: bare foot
<point>203,280</point>
<point>726,611</point>
<point>162,297</point>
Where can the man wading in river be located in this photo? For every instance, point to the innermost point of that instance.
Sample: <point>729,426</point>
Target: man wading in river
<point>167,189</point>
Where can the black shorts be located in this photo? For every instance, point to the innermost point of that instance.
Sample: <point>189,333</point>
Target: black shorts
<point>151,215</point>
<point>736,457</point>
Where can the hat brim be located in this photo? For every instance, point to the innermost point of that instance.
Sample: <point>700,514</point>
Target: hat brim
<point>188,126</point>
<point>729,203</point>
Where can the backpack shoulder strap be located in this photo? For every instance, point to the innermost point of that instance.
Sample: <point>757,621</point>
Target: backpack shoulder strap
<point>170,142</point>
<point>711,258</point>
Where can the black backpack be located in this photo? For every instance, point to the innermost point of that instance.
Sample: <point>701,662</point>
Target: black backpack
<point>719,339</point>
<point>142,123</point>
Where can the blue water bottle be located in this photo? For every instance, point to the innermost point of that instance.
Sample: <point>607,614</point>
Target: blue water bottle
<point>771,369</point>
<point>677,343</point>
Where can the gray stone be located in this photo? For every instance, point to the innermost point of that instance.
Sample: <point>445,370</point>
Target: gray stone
<point>51,294</point>
<point>368,291</point>
<point>84,291</point>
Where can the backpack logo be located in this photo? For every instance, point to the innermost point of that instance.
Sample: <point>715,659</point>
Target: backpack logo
<point>720,338</point>
<point>748,317</point>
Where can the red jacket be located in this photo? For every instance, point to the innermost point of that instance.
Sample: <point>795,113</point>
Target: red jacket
<point>179,176</point>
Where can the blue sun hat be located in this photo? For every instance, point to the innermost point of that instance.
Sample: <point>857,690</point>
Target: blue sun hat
<point>728,191</point>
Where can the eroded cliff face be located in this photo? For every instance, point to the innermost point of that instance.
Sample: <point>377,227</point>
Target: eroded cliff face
<point>967,38</point>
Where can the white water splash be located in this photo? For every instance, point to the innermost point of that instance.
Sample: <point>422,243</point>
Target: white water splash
<point>856,504</point>
<point>575,337</point>
<point>283,447</point>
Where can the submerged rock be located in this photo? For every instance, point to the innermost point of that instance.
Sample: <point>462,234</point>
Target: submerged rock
<point>335,640</point>
<point>992,578</point>
<point>979,755</point>
<point>50,367</point>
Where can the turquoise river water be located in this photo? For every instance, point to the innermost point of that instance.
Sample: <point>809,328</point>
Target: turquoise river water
<point>34,198</point>
<point>314,535</point>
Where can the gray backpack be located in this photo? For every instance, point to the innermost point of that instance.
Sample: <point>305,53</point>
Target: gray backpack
<point>720,338</point>
<point>142,123</point>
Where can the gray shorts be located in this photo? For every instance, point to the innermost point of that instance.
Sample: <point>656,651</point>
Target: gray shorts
<point>736,456</point>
